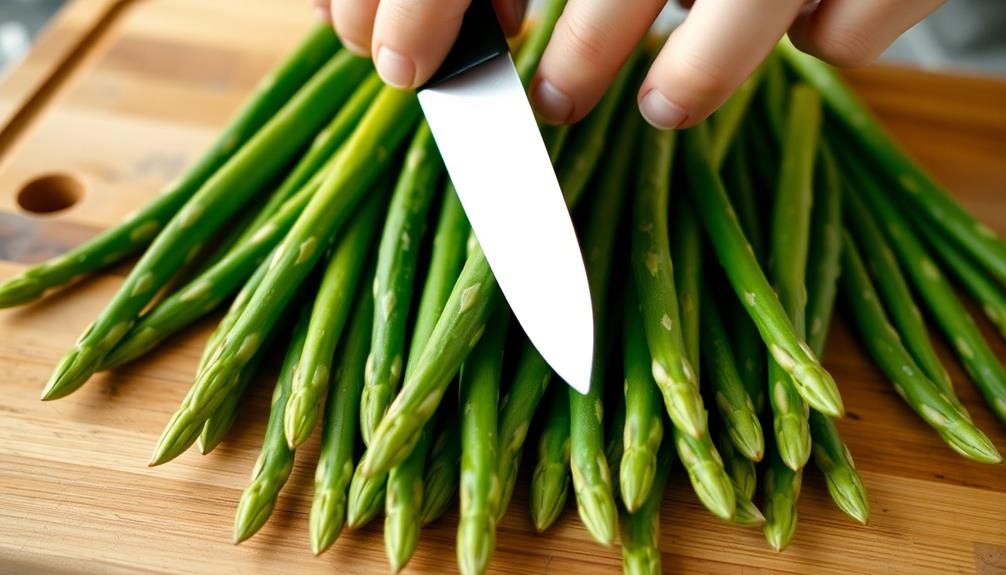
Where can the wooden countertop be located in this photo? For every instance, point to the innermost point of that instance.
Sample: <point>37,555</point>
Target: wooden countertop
<point>155,81</point>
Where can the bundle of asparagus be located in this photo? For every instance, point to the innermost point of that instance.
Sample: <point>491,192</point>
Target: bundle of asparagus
<point>719,309</point>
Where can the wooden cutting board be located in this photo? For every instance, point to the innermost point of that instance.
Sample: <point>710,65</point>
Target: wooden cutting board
<point>122,95</point>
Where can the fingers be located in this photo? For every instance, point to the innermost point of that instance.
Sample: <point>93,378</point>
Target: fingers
<point>854,32</point>
<point>354,23</point>
<point>322,9</point>
<point>590,43</point>
<point>704,60</point>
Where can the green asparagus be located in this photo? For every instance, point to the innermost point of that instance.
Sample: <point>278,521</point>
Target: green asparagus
<point>740,469</point>
<point>368,151</point>
<point>550,479</point>
<point>137,231</point>
<point>782,489</point>
<point>442,475</point>
<point>338,435</point>
<point>402,503</point>
<point>641,529</point>
<point>220,197</point>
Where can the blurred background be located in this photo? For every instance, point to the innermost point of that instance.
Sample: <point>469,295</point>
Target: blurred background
<point>967,36</point>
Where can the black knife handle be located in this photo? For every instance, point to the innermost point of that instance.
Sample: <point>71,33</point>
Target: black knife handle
<point>479,40</point>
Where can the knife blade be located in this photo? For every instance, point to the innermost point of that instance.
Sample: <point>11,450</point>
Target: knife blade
<point>485,129</point>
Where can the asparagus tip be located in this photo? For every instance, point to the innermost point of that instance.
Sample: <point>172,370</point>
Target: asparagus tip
<point>792,436</point>
<point>328,512</point>
<point>636,472</point>
<point>476,540</point>
<point>745,434</point>
<point>818,389</point>
<point>596,507</point>
<point>549,489</point>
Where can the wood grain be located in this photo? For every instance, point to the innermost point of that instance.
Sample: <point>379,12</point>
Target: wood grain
<point>76,495</point>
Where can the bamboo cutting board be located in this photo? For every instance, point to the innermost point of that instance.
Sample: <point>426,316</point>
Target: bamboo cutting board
<point>121,95</point>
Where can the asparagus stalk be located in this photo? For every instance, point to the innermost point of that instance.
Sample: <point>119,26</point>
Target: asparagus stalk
<point>734,252</point>
<point>137,231</point>
<point>915,186</point>
<point>974,352</point>
<point>338,435</point>
<point>219,198</point>
<point>737,411</point>
<point>895,293</point>
<point>475,296</point>
<point>686,252</point>
<point>480,486</point>
<point>550,479</point>
<point>641,528</point>
<point>654,276</point>
<point>402,503</point>
<point>368,151</point>
<point>339,282</point>
<point>789,243</point>
<point>219,424</point>
<point>728,119</point>
<point>442,475</point>
<point>740,469</point>
<point>644,426</point>
<point>782,489</point>
<point>775,95</point>
<point>275,461</point>
<point>396,265</point>
<point>614,437</point>
<point>984,289</point>
<point>831,455</point>
<point>924,396</point>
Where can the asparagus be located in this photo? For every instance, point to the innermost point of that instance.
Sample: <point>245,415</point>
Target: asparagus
<point>137,231</point>
<point>339,282</point>
<point>654,276</point>
<point>338,435</point>
<point>882,340</point>
<point>441,477</point>
<point>831,455</point>
<point>641,528</point>
<point>219,198</point>
<point>747,345</point>
<point>275,461</point>
<point>789,244</point>
<point>775,95</point>
<point>219,424</point>
<point>475,296</point>
<point>740,469</point>
<point>396,264</point>
<point>686,251</point>
<point>614,437</point>
<point>916,187</point>
<point>204,293</point>
<point>895,293</point>
<point>643,427</point>
<point>984,289</point>
<point>550,479</point>
<point>367,152</point>
<point>974,352</point>
<point>728,119</point>
<point>740,419</point>
<point>480,487</point>
<point>719,220</point>
<point>403,501</point>
<point>703,463</point>
<point>747,513</point>
<point>782,489</point>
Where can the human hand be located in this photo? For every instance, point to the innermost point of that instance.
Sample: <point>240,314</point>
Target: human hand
<point>704,60</point>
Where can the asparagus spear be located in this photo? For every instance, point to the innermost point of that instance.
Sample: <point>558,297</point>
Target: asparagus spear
<point>367,152</point>
<point>644,425</point>
<point>614,447</point>
<point>402,503</point>
<point>775,95</point>
<point>218,424</point>
<point>339,282</point>
<point>550,479</point>
<point>475,296</point>
<point>916,187</point>
<point>686,252</point>
<point>974,352</point>
<point>275,461</point>
<point>833,459</point>
<point>984,289</point>
<point>396,264</point>
<point>641,528</point>
<point>740,469</point>
<point>728,119</point>
<point>782,489</point>
<point>654,275</point>
<point>719,220</point>
<point>740,420</point>
<point>220,197</point>
<point>441,477</point>
<point>480,487</point>
<point>338,435</point>
<point>924,396</point>
<point>789,244</point>
<point>895,293</point>
<point>137,231</point>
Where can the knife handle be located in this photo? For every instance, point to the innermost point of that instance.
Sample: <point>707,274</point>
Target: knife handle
<point>480,39</point>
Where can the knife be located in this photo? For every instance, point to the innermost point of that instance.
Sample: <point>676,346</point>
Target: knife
<point>482,122</point>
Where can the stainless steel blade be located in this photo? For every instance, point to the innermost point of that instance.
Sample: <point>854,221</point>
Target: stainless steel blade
<point>485,129</point>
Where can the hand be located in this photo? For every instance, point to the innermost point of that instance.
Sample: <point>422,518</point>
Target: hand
<point>717,47</point>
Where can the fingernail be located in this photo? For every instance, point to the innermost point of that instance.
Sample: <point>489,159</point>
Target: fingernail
<point>661,112</point>
<point>355,48</point>
<point>552,104</point>
<point>394,68</point>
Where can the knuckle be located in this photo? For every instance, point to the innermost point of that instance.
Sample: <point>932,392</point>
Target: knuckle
<point>845,47</point>
<point>584,38</point>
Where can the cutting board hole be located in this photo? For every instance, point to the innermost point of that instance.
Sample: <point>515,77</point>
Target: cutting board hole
<point>50,193</point>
